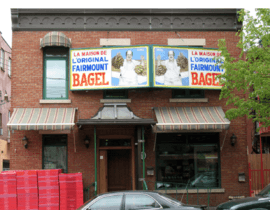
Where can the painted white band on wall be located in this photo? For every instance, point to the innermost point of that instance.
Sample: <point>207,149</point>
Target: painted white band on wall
<point>187,42</point>
<point>114,42</point>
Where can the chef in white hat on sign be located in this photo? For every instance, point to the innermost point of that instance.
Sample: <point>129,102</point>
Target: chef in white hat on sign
<point>172,77</point>
<point>128,76</point>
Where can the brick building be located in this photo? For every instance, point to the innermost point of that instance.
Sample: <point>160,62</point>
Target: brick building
<point>5,93</point>
<point>103,132</point>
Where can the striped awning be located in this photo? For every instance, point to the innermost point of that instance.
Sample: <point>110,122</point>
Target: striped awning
<point>42,119</point>
<point>55,39</point>
<point>190,118</point>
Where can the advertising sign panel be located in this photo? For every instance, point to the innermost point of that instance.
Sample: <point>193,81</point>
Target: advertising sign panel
<point>177,67</point>
<point>109,68</point>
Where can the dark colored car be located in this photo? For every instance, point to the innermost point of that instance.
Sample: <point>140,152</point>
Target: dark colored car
<point>260,202</point>
<point>131,200</point>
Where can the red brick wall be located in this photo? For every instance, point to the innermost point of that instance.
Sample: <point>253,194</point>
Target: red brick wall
<point>27,91</point>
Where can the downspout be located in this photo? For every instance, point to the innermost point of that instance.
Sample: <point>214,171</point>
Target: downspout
<point>95,145</point>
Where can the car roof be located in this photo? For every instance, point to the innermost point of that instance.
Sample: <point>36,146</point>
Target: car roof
<point>129,191</point>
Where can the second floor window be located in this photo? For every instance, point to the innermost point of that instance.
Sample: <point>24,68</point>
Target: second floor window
<point>187,93</point>
<point>2,59</point>
<point>55,76</point>
<point>115,94</point>
<point>9,67</point>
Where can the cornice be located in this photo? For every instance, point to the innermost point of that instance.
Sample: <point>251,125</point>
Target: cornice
<point>125,19</point>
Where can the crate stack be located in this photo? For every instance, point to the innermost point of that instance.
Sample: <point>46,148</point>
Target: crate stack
<point>27,190</point>
<point>71,191</point>
<point>48,187</point>
<point>8,191</point>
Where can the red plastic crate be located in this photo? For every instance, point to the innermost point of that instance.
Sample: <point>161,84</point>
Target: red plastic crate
<point>27,190</point>
<point>48,190</point>
<point>8,202</point>
<point>49,172</point>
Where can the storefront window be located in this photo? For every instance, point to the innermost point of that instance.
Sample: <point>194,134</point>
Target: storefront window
<point>188,161</point>
<point>55,152</point>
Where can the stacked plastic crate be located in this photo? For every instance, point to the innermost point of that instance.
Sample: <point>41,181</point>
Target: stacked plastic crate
<point>71,191</point>
<point>27,190</point>
<point>8,191</point>
<point>48,187</point>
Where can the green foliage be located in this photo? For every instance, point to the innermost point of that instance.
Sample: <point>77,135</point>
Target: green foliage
<point>250,73</point>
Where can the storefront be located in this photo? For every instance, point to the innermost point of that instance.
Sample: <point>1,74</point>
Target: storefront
<point>91,94</point>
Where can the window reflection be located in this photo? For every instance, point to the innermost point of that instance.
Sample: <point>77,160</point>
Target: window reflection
<point>110,202</point>
<point>140,202</point>
<point>56,79</point>
<point>188,161</point>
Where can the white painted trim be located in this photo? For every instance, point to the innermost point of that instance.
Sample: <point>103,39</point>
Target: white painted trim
<point>43,101</point>
<point>189,100</point>
<point>187,42</point>
<point>115,42</point>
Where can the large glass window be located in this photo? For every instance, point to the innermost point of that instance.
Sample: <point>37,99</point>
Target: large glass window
<point>55,152</point>
<point>188,160</point>
<point>55,83</point>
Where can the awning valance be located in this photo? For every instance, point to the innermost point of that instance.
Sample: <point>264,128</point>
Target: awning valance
<point>55,39</point>
<point>190,118</point>
<point>42,119</point>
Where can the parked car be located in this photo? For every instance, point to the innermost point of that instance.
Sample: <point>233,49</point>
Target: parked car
<point>131,200</point>
<point>260,202</point>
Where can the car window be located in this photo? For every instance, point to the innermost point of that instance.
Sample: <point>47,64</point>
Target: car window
<point>135,201</point>
<point>109,202</point>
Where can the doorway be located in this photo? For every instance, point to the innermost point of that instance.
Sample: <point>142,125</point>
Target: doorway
<point>116,164</point>
<point>119,170</point>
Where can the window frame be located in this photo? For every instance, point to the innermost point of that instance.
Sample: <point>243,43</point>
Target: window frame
<point>9,67</point>
<point>55,145</point>
<point>125,96</point>
<point>45,59</point>
<point>2,62</point>
<point>187,142</point>
<point>187,94</point>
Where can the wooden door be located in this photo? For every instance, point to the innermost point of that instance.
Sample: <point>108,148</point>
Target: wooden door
<point>103,161</point>
<point>119,170</point>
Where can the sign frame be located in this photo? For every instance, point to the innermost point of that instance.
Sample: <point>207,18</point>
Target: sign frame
<point>148,61</point>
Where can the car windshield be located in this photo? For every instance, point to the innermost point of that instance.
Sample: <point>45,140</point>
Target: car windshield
<point>265,191</point>
<point>170,199</point>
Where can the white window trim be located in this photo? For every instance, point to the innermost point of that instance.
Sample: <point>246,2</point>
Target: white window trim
<point>46,101</point>
<point>2,59</point>
<point>9,67</point>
